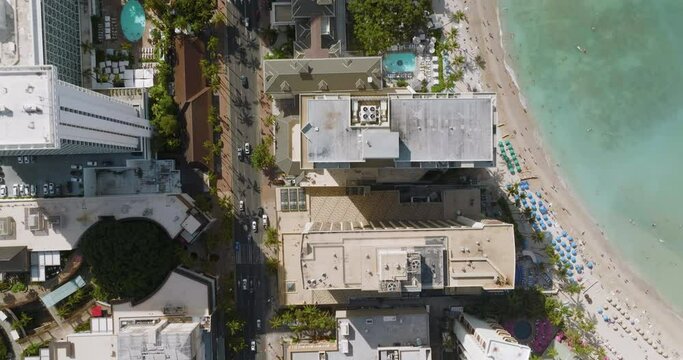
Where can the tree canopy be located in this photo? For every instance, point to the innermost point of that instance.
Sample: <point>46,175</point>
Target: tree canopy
<point>262,157</point>
<point>129,258</point>
<point>307,322</point>
<point>379,24</point>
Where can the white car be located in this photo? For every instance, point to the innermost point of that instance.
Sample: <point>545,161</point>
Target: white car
<point>21,189</point>
<point>247,148</point>
<point>265,220</point>
<point>46,190</point>
<point>15,190</point>
<point>244,284</point>
<point>254,226</point>
<point>27,190</point>
<point>258,324</point>
<point>241,205</point>
<point>76,167</point>
<point>91,163</point>
<point>76,179</point>
<point>33,190</point>
<point>3,190</point>
<point>27,160</point>
<point>20,159</point>
<point>253,345</point>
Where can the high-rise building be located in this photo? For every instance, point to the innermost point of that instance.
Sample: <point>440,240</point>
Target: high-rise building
<point>61,37</point>
<point>486,340</point>
<point>41,115</point>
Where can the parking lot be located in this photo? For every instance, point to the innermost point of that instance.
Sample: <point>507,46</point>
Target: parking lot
<point>55,169</point>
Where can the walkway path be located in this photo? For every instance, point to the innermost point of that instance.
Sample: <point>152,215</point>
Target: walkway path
<point>16,348</point>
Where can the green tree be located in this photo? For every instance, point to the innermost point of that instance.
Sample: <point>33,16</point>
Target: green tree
<point>262,157</point>
<point>272,237</point>
<point>235,326</point>
<point>308,322</point>
<point>212,46</point>
<point>23,321</point>
<point>379,24</point>
<point>538,237</point>
<point>129,258</point>
<point>272,265</point>
<point>270,120</point>
<point>480,61</point>
<point>458,16</point>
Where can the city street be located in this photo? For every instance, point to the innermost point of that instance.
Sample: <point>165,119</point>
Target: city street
<point>242,58</point>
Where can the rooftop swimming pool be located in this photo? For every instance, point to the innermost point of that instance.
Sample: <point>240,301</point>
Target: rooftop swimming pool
<point>399,62</point>
<point>133,20</point>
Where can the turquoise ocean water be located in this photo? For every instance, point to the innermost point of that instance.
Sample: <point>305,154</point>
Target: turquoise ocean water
<point>628,89</point>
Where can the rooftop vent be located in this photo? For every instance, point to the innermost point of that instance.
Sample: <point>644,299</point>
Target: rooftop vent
<point>322,85</point>
<point>360,85</point>
<point>285,86</point>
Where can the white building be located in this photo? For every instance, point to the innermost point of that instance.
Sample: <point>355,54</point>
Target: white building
<point>41,115</point>
<point>486,340</point>
<point>174,323</point>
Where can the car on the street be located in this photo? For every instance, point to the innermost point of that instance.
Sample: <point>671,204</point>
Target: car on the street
<point>76,167</point>
<point>240,154</point>
<point>3,190</point>
<point>258,324</point>
<point>247,148</point>
<point>51,188</point>
<point>245,81</point>
<point>253,345</point>
<point>245,284</point>
<point>265,220</point>
<point>242,205</point>
<point>20,159</point>
<point>46,189</point>
<point>260,211</point>
<point>91,163</point>
<point>254,226</point>
<point>33,190</point>
<point>76,179</point>
<point>15,190</point>
<point>246,22</point>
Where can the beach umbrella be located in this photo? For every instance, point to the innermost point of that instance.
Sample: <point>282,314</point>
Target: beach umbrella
<point>538,193</point>
<point>562,253</point>
<point>564,234</point>
<point>605,317</point>
<point>545,217</point>
<point>570,238</point>
<point>570,273</point>
<point>589,264</point>
<point>543,226</point>
<point>416,40</point>
<point>557,247</point>
<point>574,252</point>
<point>574,245</point>
<point>573,259</point>
<point>553,242</point>
<point>532,200</point>
<point>533,207</point>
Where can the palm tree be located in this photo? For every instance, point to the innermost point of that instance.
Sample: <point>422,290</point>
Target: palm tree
<point>87,47</point>
<point>458,16</point>
<point>538,237</point>
<point>479,60</point>
<point>459,60</point>
<point>513,189</point>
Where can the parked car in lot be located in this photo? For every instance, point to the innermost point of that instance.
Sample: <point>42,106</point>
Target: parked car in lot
<point>107,163</point>
<point>245,81</point>
<point>21,189</point>
<point>91,163</point>
<point>240,154</point>
<point>51,187</point>
<point>15,190</point>
<point>27,159</point>
<point>33,190</point>
<point>254,226</point>
<point>265,220</point>
<point>76,167</point>
<point>253,345</point>
<point>27,190</point>
<point>244,284</point>
<point>46,190</point>
<point>20,159</point>
<point>76,179</point>
<point>3,190</point>
<point>247,148</point>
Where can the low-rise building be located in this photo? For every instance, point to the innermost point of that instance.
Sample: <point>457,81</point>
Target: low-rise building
<point>138,176</point>
<point>174,323</point>
<point>486,340</point>
<point>385,334</point>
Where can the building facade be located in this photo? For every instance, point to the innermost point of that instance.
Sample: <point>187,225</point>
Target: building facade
<point>62,37</point>
<point>41,115</point>
<point>485,340</point>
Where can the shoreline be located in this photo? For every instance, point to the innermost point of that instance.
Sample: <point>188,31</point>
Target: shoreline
<point>612,271</point>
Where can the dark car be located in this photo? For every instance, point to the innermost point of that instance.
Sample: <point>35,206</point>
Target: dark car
<point>245,82</point>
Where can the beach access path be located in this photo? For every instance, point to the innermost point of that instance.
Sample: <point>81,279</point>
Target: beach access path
<point>615,279</point>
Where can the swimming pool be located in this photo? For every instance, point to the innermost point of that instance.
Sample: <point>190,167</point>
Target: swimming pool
<point>133,20</point>
<point>399,62</point>
<point>522,330</point>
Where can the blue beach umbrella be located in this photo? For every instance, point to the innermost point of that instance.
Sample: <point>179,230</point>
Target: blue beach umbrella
<point>538,193</point>
<point>570,238</point>
<point>545,217</point>
<point>600,310</point>
<point>543,226</point>
<point>574,252</point>
<point>573,259</point>
<point>562,253</point>
<point>574,245</point>
<point>589,264</point>
<point>570,273</point>
<point>533,201</point>
<point>550,223</point>
<point>533,207</point>
<point>605,317</point>
<point>564,234</point>
<point>553,242</point>
<point>557,248</point>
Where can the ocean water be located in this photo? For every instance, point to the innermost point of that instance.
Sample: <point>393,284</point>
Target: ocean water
<point>627,89</point>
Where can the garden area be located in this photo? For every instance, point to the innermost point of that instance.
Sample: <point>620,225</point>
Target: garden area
<point>128,259</point>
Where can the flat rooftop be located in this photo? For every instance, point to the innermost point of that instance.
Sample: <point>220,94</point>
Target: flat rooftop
<point>454,129</point>
<point>372,333</point>
<point>139,176</point>
<point>56,224</point>
<point>21,36</point>
<point>27,107</point>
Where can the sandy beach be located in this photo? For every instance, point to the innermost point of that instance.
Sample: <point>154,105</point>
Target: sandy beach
<point>612,277</point>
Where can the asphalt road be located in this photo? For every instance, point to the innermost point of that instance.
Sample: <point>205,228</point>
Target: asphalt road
<point>243,60</point>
